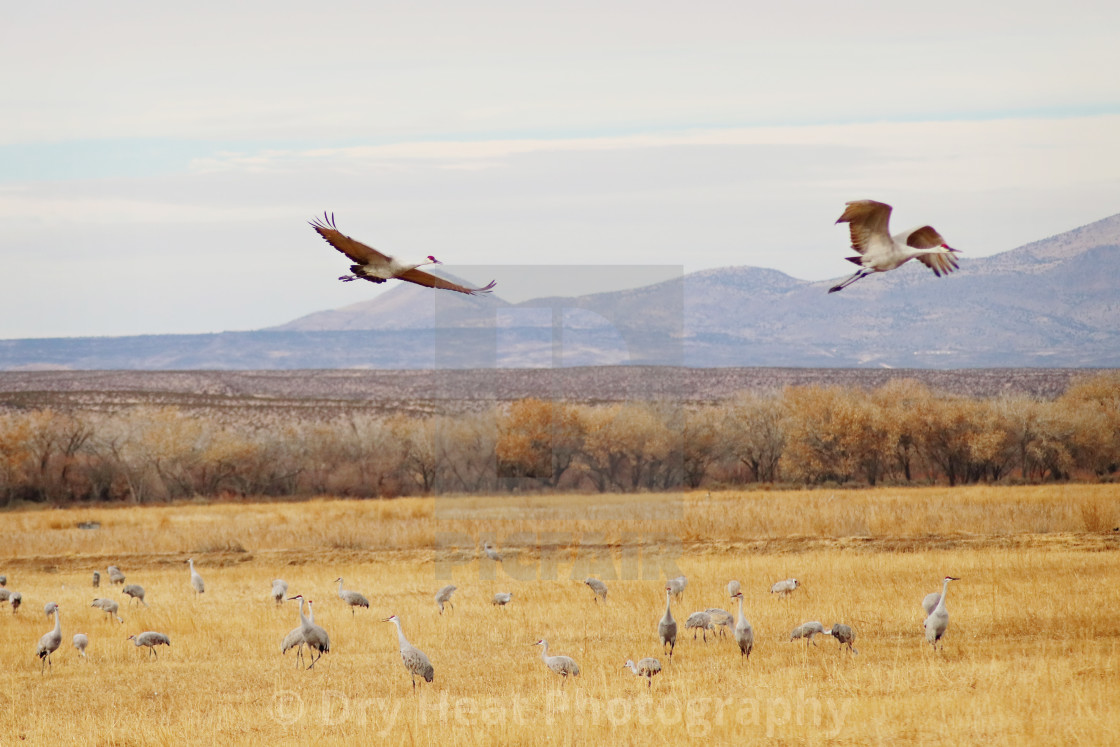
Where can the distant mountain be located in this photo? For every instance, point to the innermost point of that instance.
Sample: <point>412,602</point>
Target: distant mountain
<point>1052,303</point>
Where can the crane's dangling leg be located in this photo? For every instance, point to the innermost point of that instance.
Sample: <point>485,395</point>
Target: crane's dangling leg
<point>860,274</point>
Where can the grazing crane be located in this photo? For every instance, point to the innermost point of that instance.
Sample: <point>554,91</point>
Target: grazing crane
<point>279,590</point>
<point>807,631</point>
<point>733,587</point>
<point>50,641</point>
<point>878,251</point>
<point>938,621</point>
<point>721,619</point>
<point>151,639</point>
<point>376,267</point>
<point>415,660</point>
<point>109,607</point>
<point>314,637</point>
<point>845,635</point>
<point>646,667</point>
<point>598,587</point>
<point>744,633</point>
<point>677,585</point>
<point>699,621</point>
<point>443,596</point>
<point>667,627</point>
<point>565,666</point>
<point>80,642</point>
<point>115,575</point>
<point>16,599</point>
<point>96,579</point>
<point>785,587</point>
<point>352,598</point>
<point>196,580</point>
<point>491,553</point>
<point>502,598</point>
<point>294,638</point>
<point>5,595</point>
<point>136,591</point>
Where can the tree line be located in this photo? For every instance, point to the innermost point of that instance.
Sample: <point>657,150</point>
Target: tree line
<point>900,433</point>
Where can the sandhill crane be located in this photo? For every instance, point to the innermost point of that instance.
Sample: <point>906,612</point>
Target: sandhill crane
<point>109,607</point>
<point>721,619</point>
<point>136,591</point>
<point>938,621</point>
<point>279,590</point>
<point>196,580</point>
<point>598,587</point>
<point>376,267</point>
<point>699,621</point>
<point>16,599</point>
<point>878,251</point>
<point>80,642</point>
<point>565,666</point>
<point>3,580</point>
<point>5,595</point>
<point>415,661</point>
<point>151,639</point>
<point>785,587</point>
<point>733,587</point>
<point>502,598</point>
<point>677,585</point>
<point>667,627</point>
<point>443,596</point>
<point>294,638</point>
<point>50,641</point>
<point>49,608</point>
<point>744,633</point>
<point>96,579</point>
<point>646,667</point>
<point>807,631</point>
<point>115,575</point>
<point>352,598</point>
<point>930,602</point>
<point>314,637</point>
<point>845,635</point>
<point>491,552</point>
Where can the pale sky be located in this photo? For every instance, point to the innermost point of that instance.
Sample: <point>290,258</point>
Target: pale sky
<point>158,164</point>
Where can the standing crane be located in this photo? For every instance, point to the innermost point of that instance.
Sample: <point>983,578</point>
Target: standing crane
<point>3,580</point>
<point>784,587</point>
<point>502,598</point>
<point>565,666</point>
<point>598,587</point>
<point>807,631</point>
<point>279,590</point>
<point>415,661</point>
<point>136,591</point>
<point>352,598</point>
<point>294,638</point>
<point>109,607</point>
<point>667,627</point>
<point>314,637</point>
<point>845,635</point>
<point>677,585</point>
<point>50,641</point>
<point>699,621</point>
<point>646,667</point>
<point>151,639</point>
<point>196,580</point>
<point>96,579</point>
<point>376,267</point>
<point>938,621</point>
<point>16,599</point>
<point>5,595</point>
<point>744,633</point>
<point>491,552</point>
<point>115,575</point>
<point>878,251</point>
<point>80,641</point>
<point>443,596</point>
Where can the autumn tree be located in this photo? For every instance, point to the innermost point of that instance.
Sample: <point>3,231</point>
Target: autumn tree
<point>538,439</point>
<point>754,433</point>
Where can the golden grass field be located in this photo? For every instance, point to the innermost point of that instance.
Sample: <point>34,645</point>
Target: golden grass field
<point>1032,654</point>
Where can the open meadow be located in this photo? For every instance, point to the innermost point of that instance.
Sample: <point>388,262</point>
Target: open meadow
<point>1032,653</point>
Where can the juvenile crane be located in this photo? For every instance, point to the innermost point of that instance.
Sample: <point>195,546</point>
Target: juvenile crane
<point>80,641</point>
<point>785,587</point>
<point>279,590</point>
<point>443,596</point>
<point>372,265</point>
<point>667,627</point>
<point>109,607</point>
<point>352,598</point>
<point>502,598</point>
<point>415,661</point>
<point>115,575</point>
<point>878,251</point>
<point>196,580</point>
<point>314,637</point>
<point>136,591</point>
<point>646,667</point>
<point>50,642</point>
<point>744,633</point>
<point>151,639</point>
<point>845,635</point>
<point>598,587</point>
<point>701,621</point>
<point>565,666</point>
<point>807,631</point>
<point>938,621</point>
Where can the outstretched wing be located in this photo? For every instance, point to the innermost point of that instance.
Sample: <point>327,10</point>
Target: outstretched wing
<point>865,219</point>
<point>941,264</point>
<point>924,237</point>
<point>432,281</point>
<point>355,250</point>
<point>927,237</point>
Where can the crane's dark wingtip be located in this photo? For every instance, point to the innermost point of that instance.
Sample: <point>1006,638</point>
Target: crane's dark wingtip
<point>485,289</point>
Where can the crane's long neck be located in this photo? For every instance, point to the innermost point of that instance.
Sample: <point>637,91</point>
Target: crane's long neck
<point>401,640</point>
<point>544,651</point>
<point>668,605</point>
<point>57,622</point>
<point>944,591</point>
<point>303,621</point>
<point>741,618</point>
